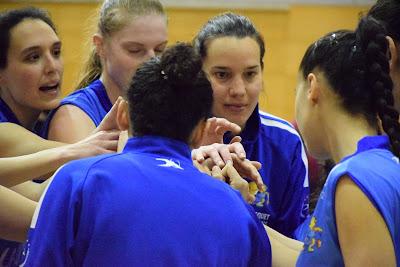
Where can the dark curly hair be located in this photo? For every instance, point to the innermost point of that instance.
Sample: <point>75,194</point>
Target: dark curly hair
<point>11,18</point>
<point>228,25</point>
<point>170,95</point>
<point>357,68</point>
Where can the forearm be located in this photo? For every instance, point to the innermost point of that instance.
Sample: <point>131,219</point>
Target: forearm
<point>17,141</point>
<point>16,215</point>
<point>285,250</point>
<point>16,170</point>
<point>30,189</point>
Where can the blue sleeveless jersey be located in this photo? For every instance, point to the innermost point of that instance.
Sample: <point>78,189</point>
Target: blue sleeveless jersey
<point>6,114</point>
<point>376,171</point>
<point>148,206</point>
<point>93,100</point>
<point>277,145</point>
<point>10,252</point>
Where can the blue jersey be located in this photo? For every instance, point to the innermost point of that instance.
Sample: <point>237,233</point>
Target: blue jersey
<point>277,145</point>
<point>93,100</point>
<point>10,251</point>
<point>148,206</point>
<point>6,114</point>
<point>376,171</point>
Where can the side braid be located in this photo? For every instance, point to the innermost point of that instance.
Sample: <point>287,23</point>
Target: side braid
<point>372,38</point>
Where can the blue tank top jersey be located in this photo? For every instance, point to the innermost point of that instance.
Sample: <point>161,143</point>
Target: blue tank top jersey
<point>277,145</point>
<point>93,100</point>
<point>148,206</point>
<point>376,171</point>
<point>10,251</point>
<point>6,114</point>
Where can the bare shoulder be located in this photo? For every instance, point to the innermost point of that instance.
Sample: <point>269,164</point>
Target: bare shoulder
<point>363,234</point>
<point>70,124</point>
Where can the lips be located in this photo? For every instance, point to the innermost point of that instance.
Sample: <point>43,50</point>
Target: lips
<point>235,107</point>
<point>50,87</point>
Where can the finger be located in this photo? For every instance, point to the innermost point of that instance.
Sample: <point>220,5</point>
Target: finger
<point>216,158</point>
<point>109,145</point>
<point>226,126</point>
<point>216,172</point>
<point>225,153</point>
<point>238,149</point>
<point>246,169</point>
<point>201,167</point>
<point>235,139</point>
<point>239,183</point>
<point>197,155</point>
<point>256,164</point>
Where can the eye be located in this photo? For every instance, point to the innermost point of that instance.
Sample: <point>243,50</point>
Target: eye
<point>134,51</point>
<point>250,74</point>
<point>33,57</point>
<point>159,51</point>
<point>221,75</point>
<point>57,52</point>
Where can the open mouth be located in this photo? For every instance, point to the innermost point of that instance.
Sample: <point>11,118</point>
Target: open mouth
<point>49,88</point>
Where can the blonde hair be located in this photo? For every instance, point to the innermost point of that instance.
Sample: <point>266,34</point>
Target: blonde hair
<point>113,16</point>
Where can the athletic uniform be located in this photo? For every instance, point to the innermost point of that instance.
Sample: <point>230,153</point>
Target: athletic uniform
<point>148,206</point>
<point>276,144</point>
<point>93,100</point>
<point>376,171</point>
<point>10,252</point>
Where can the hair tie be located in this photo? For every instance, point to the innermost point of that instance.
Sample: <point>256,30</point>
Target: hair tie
<point>165,76</point>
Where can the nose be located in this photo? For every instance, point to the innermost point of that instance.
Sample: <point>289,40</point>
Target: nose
<point>238,86</point>
<point>151,54</point>
<point>51,64</point>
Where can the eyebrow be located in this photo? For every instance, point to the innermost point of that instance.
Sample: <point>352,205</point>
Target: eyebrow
<point>140,44</point>
<point>33,48</point>
<point>226,68</point>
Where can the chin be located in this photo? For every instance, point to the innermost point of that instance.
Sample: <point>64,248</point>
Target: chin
<point>51,104</point>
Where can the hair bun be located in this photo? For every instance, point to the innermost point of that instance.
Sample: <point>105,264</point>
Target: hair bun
<point>180,65</point>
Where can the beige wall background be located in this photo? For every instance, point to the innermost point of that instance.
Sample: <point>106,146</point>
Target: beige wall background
<point>287,33</point>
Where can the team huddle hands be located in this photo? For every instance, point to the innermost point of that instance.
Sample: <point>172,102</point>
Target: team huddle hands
<point>227,162</point>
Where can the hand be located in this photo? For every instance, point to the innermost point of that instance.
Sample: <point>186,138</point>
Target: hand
<point>109,121</point>
<point>249,169</point>
<point>98,143</point>
<point>220,154</point>
<point>232,177</point>
<point>215,130</point>
<point>123,138</point>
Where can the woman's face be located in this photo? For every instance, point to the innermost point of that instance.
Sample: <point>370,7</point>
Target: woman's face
<point>124,51</point>
<point>32,77</point>
<point>233,67</point>
<point>308,119</point>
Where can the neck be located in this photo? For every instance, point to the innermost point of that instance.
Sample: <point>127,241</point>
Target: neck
<point>112,89</point>
<point>343,132</point>
<point>27,116</point>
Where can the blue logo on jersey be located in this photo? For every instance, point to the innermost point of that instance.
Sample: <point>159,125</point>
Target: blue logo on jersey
<point>169,163</point>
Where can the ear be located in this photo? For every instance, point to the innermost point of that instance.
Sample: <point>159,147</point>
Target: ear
<point>197,134</point>
<point>393,53</point>
<point>98,42</point>
<point>123,116</point>
<point>314,90</point>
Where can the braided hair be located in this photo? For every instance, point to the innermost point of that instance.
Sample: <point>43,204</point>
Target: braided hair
<point>357,68</point>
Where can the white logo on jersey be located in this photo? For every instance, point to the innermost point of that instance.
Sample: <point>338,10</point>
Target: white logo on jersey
<point>395,159</point>
<point>170,163</point>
